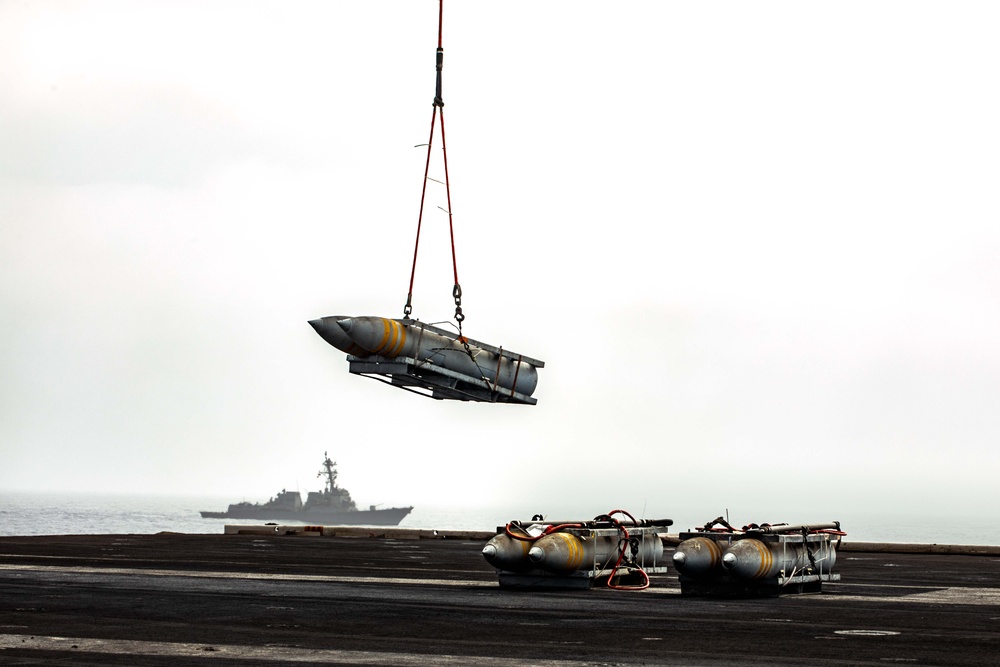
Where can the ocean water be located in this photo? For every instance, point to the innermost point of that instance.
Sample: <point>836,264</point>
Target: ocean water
<point>72,514</point>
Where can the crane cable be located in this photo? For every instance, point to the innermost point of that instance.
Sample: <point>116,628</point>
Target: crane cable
<point>438,110</point>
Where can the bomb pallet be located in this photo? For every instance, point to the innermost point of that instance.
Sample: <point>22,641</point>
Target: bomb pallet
<point>578,554</point>
<point>767,560</point>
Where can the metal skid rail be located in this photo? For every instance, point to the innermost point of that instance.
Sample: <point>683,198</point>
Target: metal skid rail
<point>433,381</point>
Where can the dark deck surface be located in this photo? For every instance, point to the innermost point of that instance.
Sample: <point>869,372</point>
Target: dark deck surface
<point>254,600</point>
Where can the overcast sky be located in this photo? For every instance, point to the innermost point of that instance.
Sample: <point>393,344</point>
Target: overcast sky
<point>756,244</point>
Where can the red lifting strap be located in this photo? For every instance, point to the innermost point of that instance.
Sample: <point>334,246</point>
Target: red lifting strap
<point>438,105</point>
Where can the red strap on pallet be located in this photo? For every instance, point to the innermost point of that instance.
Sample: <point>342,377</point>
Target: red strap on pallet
<point>438,104</point>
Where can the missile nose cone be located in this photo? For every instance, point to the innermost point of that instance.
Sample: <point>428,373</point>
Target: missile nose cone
<point>489,552</point>
<point>680,558</point>
<point>729,560</point>
<point>536,555</point>
<point>329,330</point>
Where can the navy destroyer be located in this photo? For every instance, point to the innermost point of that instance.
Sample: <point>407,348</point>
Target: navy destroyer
<point>331,506</point>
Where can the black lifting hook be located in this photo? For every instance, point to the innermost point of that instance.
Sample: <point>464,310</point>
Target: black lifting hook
<point>438,100</point>
<point>457,293</point>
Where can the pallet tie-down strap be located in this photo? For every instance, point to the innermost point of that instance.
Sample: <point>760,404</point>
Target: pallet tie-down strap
<point>427,360</point>
<point>495,385</point>
<point>517,369</point>
<point>495,389</point>
<point>420,340</point>
<point>809,552</point>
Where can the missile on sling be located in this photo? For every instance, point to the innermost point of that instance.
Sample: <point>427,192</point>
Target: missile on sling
<point>698,557</point>
<point>753,559</point>
<point>417,355</point>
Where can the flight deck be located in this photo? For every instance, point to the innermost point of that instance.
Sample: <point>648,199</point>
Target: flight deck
<point>421,598</point>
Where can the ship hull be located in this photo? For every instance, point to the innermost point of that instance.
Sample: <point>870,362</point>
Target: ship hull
<point>380,517</point>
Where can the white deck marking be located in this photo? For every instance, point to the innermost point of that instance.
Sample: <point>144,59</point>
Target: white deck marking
<point>271,654</point>
<point>832,593</point>
<point>952,595</point>
<point>188,574</point>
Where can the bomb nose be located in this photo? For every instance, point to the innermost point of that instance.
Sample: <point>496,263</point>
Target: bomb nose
<point>535,554</point>
<point>729,561</point>
<point>680,558</point>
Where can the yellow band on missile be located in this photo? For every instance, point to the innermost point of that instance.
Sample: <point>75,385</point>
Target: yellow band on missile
<point>766,559</point>
<point>401,339</point>
<point>574,550</point>
<point>386,332</point>
<point>393,338</point>
<point>715,550</point>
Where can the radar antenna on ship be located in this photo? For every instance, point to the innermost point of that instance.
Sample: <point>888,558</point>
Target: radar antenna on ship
<point>330,472</point>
